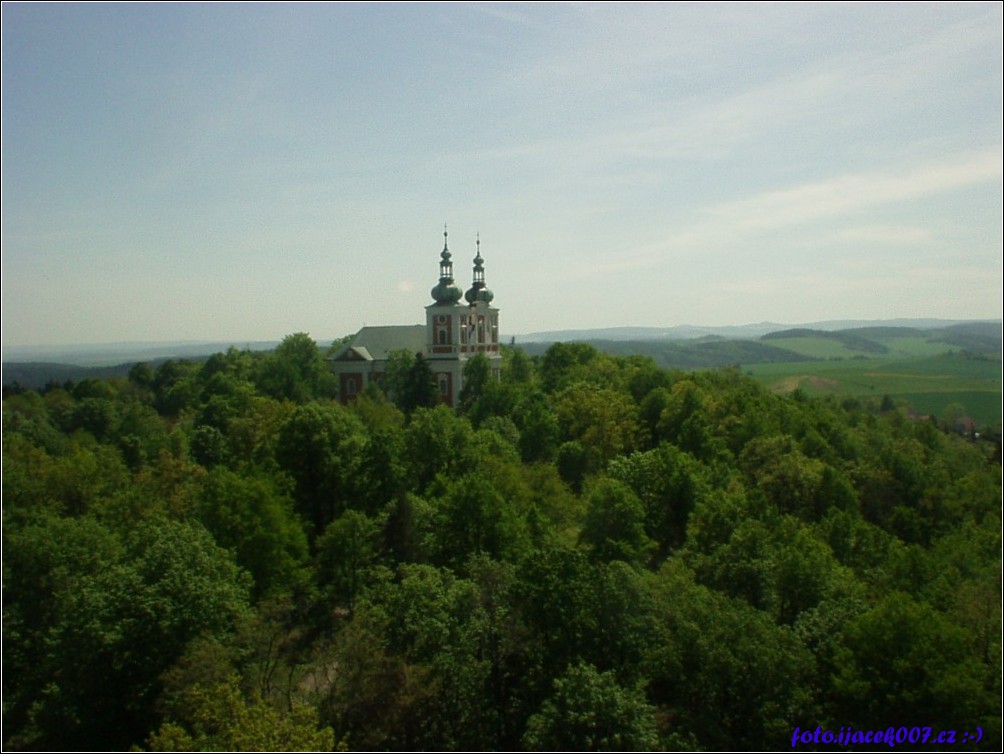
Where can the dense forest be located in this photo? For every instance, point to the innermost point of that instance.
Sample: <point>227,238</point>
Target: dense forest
<point>592,553</point>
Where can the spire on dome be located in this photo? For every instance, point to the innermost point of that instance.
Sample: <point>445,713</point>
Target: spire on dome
<point>478,291</point>
<point>445,255</point>
<point>446,292</point>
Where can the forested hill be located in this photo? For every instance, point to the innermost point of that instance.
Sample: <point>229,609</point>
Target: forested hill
<point>593,553</point>
<point>35,375</point>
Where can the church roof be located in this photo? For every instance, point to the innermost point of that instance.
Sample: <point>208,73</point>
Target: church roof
<point>376,343</point>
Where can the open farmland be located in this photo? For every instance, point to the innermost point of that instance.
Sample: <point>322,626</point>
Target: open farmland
<point>834,348</point>
<point>928,384</point>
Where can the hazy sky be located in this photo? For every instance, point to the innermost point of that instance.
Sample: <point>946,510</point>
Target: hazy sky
<point>242,172</point>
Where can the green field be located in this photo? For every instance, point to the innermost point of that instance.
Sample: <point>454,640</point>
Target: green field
<point>831,346</point>
<point>928,384</point>
<point>912,347</point>
<point>817,348</point>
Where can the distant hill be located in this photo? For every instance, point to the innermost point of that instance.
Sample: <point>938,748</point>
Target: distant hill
<point>679,332</point>
<point>693,354</point>
<point>975,337</point>
<point>111,354</point>
<point>37,374</point>
<point>981,337</point>
<point>740,332</point>
<point>850,339</point>
<point>34,367</point>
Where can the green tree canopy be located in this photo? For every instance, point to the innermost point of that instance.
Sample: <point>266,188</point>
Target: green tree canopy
<point>89,649</point>
<point>590,711</point>
<point>295,371</point>
<point>220,718</point>
<point>614,528</point>
<point>320,447</point>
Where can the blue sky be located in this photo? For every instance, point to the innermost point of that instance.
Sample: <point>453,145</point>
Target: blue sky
<point>242,172</point>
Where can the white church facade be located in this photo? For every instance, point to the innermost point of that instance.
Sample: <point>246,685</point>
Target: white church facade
<point>453,333</point>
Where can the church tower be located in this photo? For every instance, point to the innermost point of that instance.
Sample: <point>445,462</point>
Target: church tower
<point>481,322</point>
<point>454,333</point>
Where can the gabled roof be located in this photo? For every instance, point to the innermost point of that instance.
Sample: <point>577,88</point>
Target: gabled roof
<point>356,353</point>
<point>376,343</point>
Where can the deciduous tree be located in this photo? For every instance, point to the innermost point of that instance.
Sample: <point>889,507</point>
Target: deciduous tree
<point>591,711</point>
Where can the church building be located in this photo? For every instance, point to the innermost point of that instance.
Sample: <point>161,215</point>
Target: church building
<point>452,334</point>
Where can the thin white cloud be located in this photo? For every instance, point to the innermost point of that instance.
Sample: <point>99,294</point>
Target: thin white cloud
<point>674,122</point>
<point>732,223</point>
<point>950,281</point>
<point>850,193</point>
<point>961,291</point>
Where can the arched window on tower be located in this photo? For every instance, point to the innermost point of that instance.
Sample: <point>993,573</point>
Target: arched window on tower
<point>444,337</point>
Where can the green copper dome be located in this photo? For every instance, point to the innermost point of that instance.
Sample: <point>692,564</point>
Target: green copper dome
<point>479,294</point>
<point>478,291</point>
<point>445,292</point>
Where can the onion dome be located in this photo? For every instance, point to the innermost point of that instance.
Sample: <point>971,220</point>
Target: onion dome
<point>478,291</point>
<point>446,291</point>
